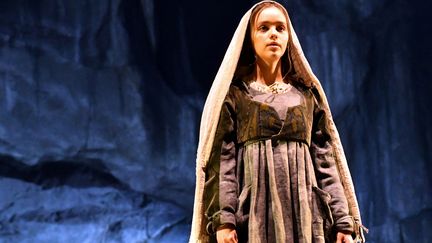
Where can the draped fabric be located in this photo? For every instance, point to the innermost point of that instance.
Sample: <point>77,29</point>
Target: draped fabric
<point>281,182</point>
<point>269,187</point>
<point>213,110</point>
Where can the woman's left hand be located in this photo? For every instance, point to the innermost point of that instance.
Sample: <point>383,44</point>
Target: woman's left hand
<point>344,238</point>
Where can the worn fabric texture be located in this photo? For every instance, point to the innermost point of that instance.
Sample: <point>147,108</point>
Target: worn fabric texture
<point>261,176</point>
<point>211,146</point>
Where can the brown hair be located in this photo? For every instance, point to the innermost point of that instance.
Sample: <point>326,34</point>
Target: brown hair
<point>246,64</point>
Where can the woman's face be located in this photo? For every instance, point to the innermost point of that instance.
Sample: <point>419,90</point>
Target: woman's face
<point>269,34</point>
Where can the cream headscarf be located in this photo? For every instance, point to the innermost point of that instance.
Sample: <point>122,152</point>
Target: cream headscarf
<point>211,113</point>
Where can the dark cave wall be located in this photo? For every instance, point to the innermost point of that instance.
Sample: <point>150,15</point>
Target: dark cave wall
<point>100,103</point>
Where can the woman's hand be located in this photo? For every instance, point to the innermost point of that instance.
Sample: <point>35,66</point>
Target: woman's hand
<point>343,238</point>
<point>226,235</point>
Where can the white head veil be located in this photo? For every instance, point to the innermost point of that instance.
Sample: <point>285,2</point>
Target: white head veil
<point>211,113</point>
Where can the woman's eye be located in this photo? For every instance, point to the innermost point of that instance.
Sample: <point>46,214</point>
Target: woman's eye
<point>263,28</point>
<point>280,28</point>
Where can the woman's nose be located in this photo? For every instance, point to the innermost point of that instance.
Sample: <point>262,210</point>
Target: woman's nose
<point>273,33</point>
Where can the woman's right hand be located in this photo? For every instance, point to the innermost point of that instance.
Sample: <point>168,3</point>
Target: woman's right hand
<point>226,235</point>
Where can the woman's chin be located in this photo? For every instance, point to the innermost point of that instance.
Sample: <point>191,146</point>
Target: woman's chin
<point>273,57</point>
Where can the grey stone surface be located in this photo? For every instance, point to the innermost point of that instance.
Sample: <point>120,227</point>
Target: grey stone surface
<point>100,103</point>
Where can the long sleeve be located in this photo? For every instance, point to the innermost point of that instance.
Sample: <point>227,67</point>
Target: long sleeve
<point>221,195</point>
<point>326,171</point>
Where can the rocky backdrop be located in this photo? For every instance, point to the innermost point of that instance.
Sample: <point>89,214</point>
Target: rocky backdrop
<point>100,103</point>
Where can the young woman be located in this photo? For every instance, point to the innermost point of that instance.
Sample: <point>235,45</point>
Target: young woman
<point>270,165</point>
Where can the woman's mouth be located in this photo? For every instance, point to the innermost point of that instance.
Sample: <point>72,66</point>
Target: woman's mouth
<point>273,44</point>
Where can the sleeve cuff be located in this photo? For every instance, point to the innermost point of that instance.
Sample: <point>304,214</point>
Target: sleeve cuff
<point>345,224</point>
<point>221,219</point>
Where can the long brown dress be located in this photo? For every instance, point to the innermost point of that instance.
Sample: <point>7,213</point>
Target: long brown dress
<point>271,172</point>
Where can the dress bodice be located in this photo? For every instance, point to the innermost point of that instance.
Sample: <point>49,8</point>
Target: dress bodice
<point>282,116</point>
